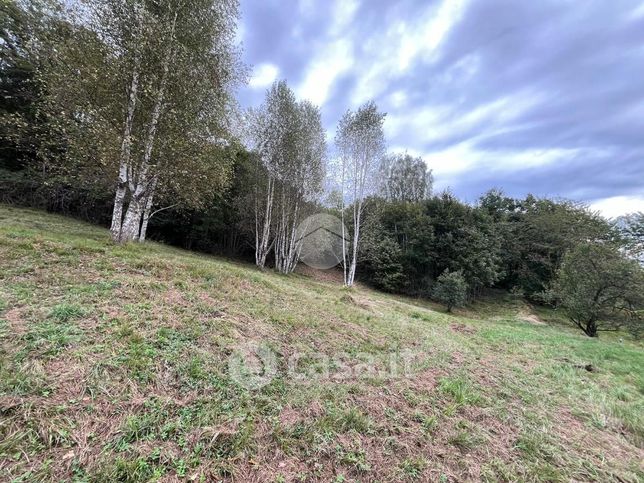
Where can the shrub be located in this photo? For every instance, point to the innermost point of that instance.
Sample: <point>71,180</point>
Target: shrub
<point>451,289</point>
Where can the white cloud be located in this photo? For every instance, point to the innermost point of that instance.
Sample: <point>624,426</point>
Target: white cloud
<point>637,13</point>
<point>398,99</point>
<point>263,75</point>
<point>452,165</point>
<point>344,12</point>
<point>333,59</point>
<point>425,37</point>
<point>324,70</point>
<point>393,52</point>
<point>618,205</point>
<point>440,122</point>
<point>463,157</point>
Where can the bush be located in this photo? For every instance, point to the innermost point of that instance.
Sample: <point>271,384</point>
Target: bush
<point>451,289</point>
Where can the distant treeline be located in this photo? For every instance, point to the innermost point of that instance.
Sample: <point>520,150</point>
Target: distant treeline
<point>516,244</point>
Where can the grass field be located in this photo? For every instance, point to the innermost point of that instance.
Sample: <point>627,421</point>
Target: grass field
<point>114,366</point>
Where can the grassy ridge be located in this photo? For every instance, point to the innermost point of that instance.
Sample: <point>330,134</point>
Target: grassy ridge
<point>114,366</point>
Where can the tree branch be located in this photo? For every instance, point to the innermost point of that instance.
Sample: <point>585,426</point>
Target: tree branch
<point>162,209</point>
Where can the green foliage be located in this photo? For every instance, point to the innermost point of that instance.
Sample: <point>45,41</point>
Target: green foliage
<point>536,234</point>
<point>465,240</point>
<point>450,289</point>
<point>381,256</point>
<point>29,138</point>
<point>435,235</point>
<point>413,467</point>
<point>405,178</point>
<point>409,226</point>
<point>600,289</point>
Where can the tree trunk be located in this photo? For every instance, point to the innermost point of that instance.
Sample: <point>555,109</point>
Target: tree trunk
<point>591,329</point>
<point>356,237</point>
<point>262,242</point>
<point>344,246</point>
<point>146,216</point>
<point>286,245</point>
<point>121,188</point>
<point>132,222</point>
<point>144,185</point>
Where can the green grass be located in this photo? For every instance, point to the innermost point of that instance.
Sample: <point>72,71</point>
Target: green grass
<point>114,366</point>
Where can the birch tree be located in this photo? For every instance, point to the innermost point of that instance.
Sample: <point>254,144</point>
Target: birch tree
<point>300,181</point>
<point>271,128</point>
<point>289,141</point>
<point>360,144</point>
<point>173,67</point>
<point>193,66</point>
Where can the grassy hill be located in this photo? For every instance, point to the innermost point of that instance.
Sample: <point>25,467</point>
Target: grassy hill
<point>115,365</point>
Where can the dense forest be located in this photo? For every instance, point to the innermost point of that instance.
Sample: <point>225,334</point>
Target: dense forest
<point>123,113</point>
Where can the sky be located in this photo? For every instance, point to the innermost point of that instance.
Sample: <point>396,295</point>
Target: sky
<point>530,96</point>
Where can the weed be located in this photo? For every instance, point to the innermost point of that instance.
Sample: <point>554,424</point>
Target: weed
<point>356,458</point>
<point>460,390</point>
<point>413,468</point>
<point>66,312</point>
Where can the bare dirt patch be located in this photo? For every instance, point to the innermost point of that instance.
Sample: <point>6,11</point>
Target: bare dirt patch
<point>527,315</point>
<point>462,328</point>
<point>290,417</point>
<point>17,323</point>
<point>332,275</point>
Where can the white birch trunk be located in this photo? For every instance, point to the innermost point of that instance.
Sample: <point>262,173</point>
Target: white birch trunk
<point>262,242</point>
<point>131,226</point>
<point>356,238</point>
<point>132,222</point>
<point>124,164</point>
<point>342,209</point>
<point>147,213</point>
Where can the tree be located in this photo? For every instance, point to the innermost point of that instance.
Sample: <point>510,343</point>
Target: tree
<point>412,228</point>
<point>32,138</point>
<point>535,234</point>
<point>19,89</point>
<point>465,240</point>
<point>360,143</point>
<point>380,256</point>
<point>600,289</point>
<point>151,103</point>
<point>300,181</point>
<point>406,178</point>
<point>451,289</point>
<point>270,133</point>
<point>289,141</point>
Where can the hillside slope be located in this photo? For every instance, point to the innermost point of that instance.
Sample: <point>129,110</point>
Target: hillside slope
<point>122,364</point>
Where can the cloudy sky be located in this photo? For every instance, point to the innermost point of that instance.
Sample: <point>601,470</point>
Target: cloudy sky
<point>540,96</point>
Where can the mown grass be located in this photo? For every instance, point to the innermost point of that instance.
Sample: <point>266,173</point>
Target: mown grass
<point>114,366</point>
